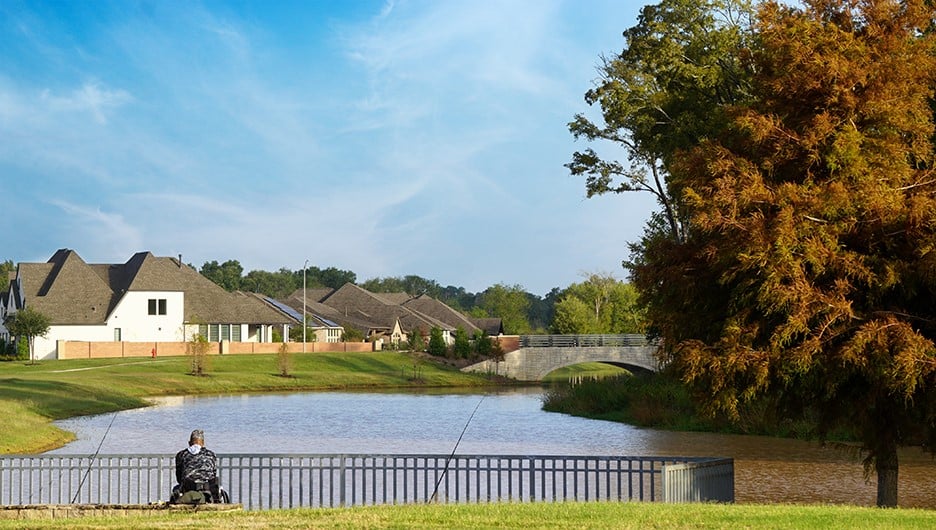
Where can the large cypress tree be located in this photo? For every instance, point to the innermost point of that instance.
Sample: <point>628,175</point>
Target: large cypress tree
<point>807,270</point>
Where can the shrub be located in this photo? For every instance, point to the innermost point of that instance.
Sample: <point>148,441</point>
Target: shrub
<point>437,345</point>
<point>416,341</point>
<point>462,346</point>
<point>198,349</point>
<point>283,360</point>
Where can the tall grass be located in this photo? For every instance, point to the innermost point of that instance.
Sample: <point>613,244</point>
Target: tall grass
<point>661,401</point>
<point>639,400</point>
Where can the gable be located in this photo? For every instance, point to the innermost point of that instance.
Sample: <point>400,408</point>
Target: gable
<point>71,291</point>
<point>66,289</point>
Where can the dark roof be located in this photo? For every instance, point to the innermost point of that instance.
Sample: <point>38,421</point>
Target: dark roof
<point>382,308</point>
<point>427,305</point>
<point>71,291</point>
<point>490,326</point>
<point>312,295</point>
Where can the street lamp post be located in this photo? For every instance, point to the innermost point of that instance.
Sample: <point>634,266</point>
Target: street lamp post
<point>304,267</point>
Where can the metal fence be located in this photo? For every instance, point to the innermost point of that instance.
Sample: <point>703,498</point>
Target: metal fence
<point>286,481</point>
<point>581,341</point>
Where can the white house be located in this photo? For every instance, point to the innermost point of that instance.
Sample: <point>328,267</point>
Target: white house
<point>146,299</point>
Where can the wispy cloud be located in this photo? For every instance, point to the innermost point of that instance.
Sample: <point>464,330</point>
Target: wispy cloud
<point>90,98</point>
<point>394,139</point>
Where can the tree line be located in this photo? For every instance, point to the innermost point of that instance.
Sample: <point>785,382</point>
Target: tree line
<point>599,304</point>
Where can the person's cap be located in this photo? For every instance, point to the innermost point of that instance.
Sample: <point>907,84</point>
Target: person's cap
<point>197,434</point>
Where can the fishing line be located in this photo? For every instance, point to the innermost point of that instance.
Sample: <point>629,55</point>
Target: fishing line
<point>91,462</point>
<point>435,490</point>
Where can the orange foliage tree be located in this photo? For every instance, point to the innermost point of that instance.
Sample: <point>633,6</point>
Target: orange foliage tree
<point>806,268</point>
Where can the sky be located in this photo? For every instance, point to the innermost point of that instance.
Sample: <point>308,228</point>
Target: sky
<point>388,138</point>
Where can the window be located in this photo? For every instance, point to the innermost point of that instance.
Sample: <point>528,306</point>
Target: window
<point>116,334</point>
<point>157,306</point>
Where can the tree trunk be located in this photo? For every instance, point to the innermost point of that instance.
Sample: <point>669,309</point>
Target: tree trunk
<point>885,465</point>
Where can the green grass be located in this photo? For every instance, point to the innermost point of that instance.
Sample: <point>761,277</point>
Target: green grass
<point>532,516</point>
<point>32,395</point>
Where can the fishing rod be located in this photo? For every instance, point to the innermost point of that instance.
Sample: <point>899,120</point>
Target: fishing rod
<point>91,462</point>
<point>435,490</point>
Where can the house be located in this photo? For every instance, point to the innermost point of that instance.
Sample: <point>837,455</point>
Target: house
<point>430,306</point>
<point>146,299</point>
<point>392,317</point>
<point>323,329</point>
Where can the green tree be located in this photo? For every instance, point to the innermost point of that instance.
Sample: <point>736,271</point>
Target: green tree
<point>28,323</point>
<point>461,345</point>
<point>227,275</point>
<point>573,316</point>
<point>437,345</point>
<point>600,304</point>
<point>6,269</point>
<point>509,303</point>
<point>483,344</point>
<point>279,284</point>
<point>328,277</point>
<point>665,91</point>
<point>352,334</point>
<point>416,341</point>
<point>805,271</point>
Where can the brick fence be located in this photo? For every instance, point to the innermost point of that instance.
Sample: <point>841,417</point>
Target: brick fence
<point>101,350</point>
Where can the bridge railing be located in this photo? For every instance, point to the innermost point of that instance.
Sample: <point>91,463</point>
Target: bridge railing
<point>285,481</point>
<point>582,341</point>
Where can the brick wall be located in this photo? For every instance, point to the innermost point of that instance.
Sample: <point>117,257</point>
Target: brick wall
<point>102,350</point>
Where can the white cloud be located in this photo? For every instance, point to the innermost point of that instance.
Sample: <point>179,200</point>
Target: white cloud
<point>90,97</point>
<point>101,233</point>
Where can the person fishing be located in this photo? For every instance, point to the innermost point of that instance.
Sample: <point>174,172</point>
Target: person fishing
<point>196,469</point>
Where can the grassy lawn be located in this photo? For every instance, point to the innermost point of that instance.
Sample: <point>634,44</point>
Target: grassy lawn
<point>531,516</point>
<point>34,395</point>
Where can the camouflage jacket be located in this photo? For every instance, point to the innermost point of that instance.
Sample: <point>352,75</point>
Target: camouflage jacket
<point>196,467</point>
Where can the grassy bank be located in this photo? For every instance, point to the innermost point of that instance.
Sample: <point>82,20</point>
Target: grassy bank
<point>532,516</point>
<point>659,401</point>
<point>34,395</point>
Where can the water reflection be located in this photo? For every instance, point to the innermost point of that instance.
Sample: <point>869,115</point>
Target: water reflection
<point>507,422</point>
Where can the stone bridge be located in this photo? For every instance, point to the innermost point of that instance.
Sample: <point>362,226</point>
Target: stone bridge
<point>537,355</point>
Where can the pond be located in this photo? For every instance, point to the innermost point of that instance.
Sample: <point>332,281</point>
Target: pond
<point>508,422</point>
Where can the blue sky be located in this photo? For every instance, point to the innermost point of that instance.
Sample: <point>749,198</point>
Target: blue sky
<point>384,137</point>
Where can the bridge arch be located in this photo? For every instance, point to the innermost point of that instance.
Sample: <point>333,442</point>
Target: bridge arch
<point>540,354</point>
<point>632,368</point>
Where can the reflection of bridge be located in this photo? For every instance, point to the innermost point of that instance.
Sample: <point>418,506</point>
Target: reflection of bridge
<point>538,355</point>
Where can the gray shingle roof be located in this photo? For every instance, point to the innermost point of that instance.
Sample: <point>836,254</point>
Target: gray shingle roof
<point>71,291</point>
<point>382,308</point>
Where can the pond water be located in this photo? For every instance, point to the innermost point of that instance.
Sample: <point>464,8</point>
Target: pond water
<point>509,422</point>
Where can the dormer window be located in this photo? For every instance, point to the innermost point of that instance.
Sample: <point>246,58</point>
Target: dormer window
<point>157,306</point>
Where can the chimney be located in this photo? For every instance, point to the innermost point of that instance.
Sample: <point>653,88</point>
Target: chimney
<point>180,261</point>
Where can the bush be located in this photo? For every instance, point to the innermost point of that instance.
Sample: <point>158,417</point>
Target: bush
<point>437,345</point>
<point>352,334</point>
<point>483,345</point>
<point>283,360</point>
<point>198,348</point>
<point>416,341</point>
<point>462,346</point>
